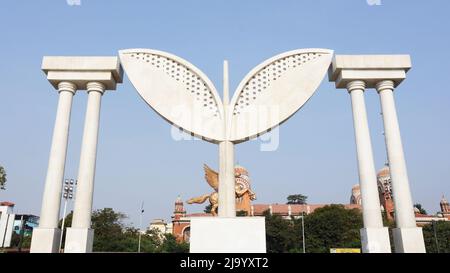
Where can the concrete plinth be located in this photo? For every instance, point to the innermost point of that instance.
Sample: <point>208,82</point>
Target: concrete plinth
<point>375,240</point>
<point>409,240</point>
<point>45,240</point>
<point>228,235</point>
<point>79,240</point>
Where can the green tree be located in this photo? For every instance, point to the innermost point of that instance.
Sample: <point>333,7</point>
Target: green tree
<point>297,199</point>
<point>111,235</point>
<point>333,226</point>
<point>420,208</point>
<point>281,235</point>
<point>2,178</point>
<point>171,245</point>
<point>108,226</point>
<point>442,235</point>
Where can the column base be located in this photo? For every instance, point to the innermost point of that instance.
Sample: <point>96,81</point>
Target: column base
<point>45,240</point>
<point>228,235</point>
<point>79,240</point>
<point>409,240</point>
<point>375,240</point>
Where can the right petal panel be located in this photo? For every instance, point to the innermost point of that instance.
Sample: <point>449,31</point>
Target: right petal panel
<point>274,90</point>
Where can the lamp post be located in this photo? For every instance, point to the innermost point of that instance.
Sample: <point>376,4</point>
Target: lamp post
<point>303,232</point>
<point>67,195</point>
<point>140,227</point>
<point>433,223</point>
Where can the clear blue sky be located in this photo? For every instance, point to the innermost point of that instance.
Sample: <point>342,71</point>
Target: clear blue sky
<point>137,158</point>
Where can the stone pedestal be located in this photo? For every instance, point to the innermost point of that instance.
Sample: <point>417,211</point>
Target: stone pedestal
<point>228,235</point>
<point>408,240</point>
<point>79,240</point>
<point>45,240</point>
<point>375,240</point>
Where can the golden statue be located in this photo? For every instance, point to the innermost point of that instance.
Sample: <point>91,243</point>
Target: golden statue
<point>244,194</point>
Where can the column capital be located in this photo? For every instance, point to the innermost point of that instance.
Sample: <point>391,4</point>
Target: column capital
<point>368,68</point>
<point>67,86</point>
<point>95,86</point>
<point>81,70</point>
<point>385,84</point>
<point>356,85</point>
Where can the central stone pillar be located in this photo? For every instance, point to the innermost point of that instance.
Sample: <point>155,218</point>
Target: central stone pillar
<point>80,236</point>
<point>407,236</point>
<point>374,237</point>
<point>227,194</point>
<point>46,236</point>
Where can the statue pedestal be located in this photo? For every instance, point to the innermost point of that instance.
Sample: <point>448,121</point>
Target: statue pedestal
<point>228,235</point>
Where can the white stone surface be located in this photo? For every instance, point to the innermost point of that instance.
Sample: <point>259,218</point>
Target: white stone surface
<point>184,96</point>
<point>275,90</point>
<point>409,240</point>
<point>406,236</point>
<point>82,70</point>
<point>260,103</point>
<point>51,200</point>
<point>86,174</point>
<point>45,240</point>
<point>404,209</point>
<point>6,225</point>
<point>382,72</point>
<point>55,173</point>
<point>367,174</point>
<point>177,90</point>
<point>79,240</point>
<point>68,74</point>
<point>228,235</point>
<point>375,240</point>
<point>369,68</point>
<point>227,195</point>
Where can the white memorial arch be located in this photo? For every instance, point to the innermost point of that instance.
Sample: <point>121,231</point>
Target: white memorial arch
<point>184,96</point>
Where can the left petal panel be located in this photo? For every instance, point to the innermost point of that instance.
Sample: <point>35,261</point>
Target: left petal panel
<point>176,90</point>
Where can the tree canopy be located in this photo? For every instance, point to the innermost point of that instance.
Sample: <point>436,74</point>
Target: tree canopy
<point>297,199</point>
<point>332,226</point>
<point>111,235</point>
<point>439,243</point>
<point>420,208</point>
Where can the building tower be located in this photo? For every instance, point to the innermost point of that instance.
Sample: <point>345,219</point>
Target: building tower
<point>385,191</point>
<point>445,206</point>
<point>355,198</point>
<point>180,224</point>
<point>179,209</point>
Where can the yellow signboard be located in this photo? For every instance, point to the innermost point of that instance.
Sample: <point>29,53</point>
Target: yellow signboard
<point>345,250</point>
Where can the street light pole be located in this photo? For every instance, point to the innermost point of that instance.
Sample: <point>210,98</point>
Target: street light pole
<point>303,232</point>
<point>67,195</point>
<point>140,227</point>
<point>435,235</point>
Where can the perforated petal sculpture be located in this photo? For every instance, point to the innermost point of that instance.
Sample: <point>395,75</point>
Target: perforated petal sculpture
<point>271,93</point>
<point>275,89</point>
<point>176,90</point>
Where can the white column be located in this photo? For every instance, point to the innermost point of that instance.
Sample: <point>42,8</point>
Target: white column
<point>46,237</point>
<point>227,195</point>
<point>374,237</point>
<point>80,235</point>
<point>407,236</point>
